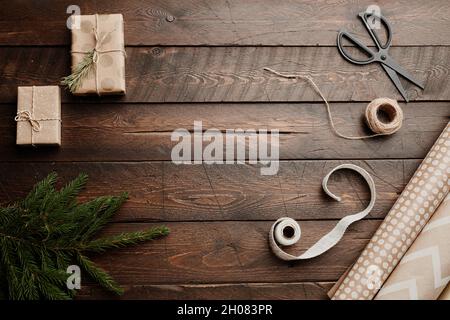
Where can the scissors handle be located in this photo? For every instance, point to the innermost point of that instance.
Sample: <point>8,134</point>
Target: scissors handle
<point>364,17</point>
<point>372,54</point>
<point>344,34</point>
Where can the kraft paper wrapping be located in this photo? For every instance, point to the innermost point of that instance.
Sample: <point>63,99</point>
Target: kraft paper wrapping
<point>412,210</point>
<point>38,116</point>
<point>446,294</point>
<point>108,76</point>
<point>424,271</point>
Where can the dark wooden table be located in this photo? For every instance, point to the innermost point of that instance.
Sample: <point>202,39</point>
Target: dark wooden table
<point>203,60</point>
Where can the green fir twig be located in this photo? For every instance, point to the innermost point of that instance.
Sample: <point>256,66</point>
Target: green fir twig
<point>80,72</point>
<point>41,235</point>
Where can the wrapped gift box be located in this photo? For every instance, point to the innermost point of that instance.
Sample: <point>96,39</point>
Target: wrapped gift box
<point>38,116</point>
<point>103,33</point>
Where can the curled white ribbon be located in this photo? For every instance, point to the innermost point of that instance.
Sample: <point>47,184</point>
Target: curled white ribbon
<point>286,231</point>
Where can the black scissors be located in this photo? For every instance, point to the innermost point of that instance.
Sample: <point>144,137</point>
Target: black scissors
<point>389,65</point>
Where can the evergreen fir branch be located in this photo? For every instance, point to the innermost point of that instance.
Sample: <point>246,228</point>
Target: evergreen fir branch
<point>11,271</point>
<point>30,291</point>
<point>81,70</point>
<point>104,215</point>
<point>3,285</point>
<point>125,239</point>
<point>7,216</point>
<point>69,192</point>
<point>99,274</point>
<point>35,197</point>
<point>54,276</point>
<point>41,235</point>
<point>52,292</point>
<point>87,215</point>
<point>62,259</point>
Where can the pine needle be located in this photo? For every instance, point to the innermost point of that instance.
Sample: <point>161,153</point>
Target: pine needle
<point>81,70</point>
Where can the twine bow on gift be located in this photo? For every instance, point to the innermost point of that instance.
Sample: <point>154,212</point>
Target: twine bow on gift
<point>92,58</point>
<point>26,116</point>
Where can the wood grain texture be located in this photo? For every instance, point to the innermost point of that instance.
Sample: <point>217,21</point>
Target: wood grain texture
<point>202,61</point>
<point>139,132</point>
<point>162,191</point>
<point>227,22</point>
<point>236,291</point>
<point>235,74</point>
<point>229,252</point>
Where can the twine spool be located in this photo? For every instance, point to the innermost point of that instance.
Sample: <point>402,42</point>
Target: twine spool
<point>391,108</point>
<point>380,128</point>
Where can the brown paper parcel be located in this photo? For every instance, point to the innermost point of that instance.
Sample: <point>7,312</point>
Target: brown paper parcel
<point>38,116</point>
<point>412,210</point>
<point>105,34</point>
<point>424,271</point>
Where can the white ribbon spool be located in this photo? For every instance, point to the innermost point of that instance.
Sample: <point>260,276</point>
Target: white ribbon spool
<point>286,231</point>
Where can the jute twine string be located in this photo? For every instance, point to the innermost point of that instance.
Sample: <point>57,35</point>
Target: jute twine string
<point>28,116</point>
<point>380,128</point>
<point>98,50</point>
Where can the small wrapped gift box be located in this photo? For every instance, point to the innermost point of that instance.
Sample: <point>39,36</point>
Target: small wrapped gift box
<point>98,42</point>
<point>38,116</point>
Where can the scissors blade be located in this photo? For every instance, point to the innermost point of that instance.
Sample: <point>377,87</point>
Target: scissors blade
<point>389,62</point>
<point>394,77</point>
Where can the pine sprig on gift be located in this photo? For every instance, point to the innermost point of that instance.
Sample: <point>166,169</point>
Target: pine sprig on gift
<point>81,70</point>
<point>41,235</point>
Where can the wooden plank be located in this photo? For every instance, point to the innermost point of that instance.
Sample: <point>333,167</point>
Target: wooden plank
<point>135,132</point>
<point>235,291</point>
<point>235,74</point>
<point>229,252</point>
<point>167,192</point>
<point>233,22</point>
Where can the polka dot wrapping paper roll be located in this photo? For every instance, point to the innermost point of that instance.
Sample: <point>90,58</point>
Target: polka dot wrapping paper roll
<point>105,34</point>
<point>424,271</point>
<point>413,209</point>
